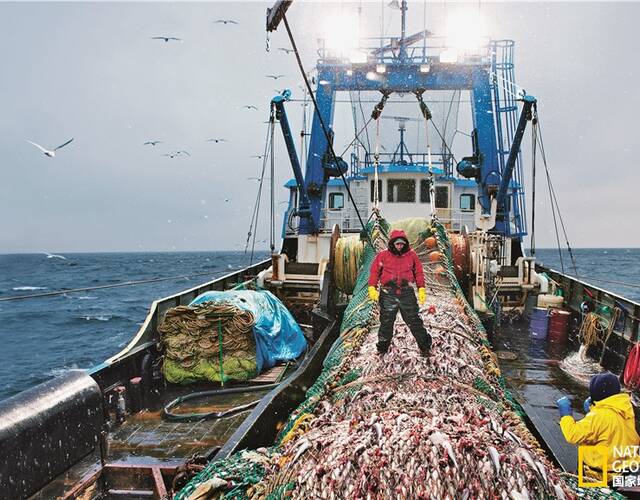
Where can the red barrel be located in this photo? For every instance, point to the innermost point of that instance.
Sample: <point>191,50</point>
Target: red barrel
<point>559,325</point>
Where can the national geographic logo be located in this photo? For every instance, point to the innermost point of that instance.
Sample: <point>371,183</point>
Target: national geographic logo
<point>603,451</point>
<point>624,468</point>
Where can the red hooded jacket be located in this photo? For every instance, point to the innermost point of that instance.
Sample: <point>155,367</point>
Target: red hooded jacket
<point>394,268</point>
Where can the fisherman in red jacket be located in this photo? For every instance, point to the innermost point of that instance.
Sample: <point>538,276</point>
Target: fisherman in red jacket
<point>395,269</point>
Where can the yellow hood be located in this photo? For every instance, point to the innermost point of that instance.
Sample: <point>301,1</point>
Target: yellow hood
<point>619,403</point>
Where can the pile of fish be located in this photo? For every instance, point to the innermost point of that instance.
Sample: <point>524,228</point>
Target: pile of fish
<point>401,425</point>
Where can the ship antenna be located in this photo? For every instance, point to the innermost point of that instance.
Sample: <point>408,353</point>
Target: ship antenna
<point>403,29</point>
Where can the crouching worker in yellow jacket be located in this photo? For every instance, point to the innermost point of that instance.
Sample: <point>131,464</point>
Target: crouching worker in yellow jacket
<point>609,422</point>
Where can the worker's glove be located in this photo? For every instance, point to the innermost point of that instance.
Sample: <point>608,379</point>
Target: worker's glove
<point>422,295</point>
<point>373,293</point>
<point>564,406</point>
<point>587,405</point>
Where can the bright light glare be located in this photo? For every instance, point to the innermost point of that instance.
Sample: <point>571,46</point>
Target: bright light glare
<point>465,31</point>
<point>357,56</point>
<point>341,34</point>
<point>449,56</point>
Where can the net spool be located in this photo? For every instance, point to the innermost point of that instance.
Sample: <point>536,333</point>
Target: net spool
<point>348,257</point>
<point>460,254</point>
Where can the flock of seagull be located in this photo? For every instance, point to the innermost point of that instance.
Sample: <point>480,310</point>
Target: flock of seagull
<point>51,153</point>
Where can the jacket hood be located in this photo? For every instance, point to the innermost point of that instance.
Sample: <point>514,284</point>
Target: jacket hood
<point>603,385</point>
<point>397,234</point>
<point>620,403</point>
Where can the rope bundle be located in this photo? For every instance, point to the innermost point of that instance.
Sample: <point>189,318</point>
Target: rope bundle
<point>591,330</point>
<point>209,342</point>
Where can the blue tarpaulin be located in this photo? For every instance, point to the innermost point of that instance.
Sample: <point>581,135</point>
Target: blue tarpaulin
<point>278,337</point>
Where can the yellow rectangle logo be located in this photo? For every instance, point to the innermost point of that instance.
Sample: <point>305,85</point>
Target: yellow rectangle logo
<point>604,452</point>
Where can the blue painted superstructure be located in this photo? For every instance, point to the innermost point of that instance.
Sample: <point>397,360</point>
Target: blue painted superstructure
<point>415,64</point>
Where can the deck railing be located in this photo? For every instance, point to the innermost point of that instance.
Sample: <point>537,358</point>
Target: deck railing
<point>625,331</point>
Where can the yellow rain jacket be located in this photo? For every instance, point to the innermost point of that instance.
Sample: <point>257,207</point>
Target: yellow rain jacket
<point>610,423</point>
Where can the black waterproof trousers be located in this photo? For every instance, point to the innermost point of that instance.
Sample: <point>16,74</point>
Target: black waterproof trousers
<point>404,298</point>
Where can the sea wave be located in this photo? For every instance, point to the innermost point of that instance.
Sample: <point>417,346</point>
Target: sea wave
<point>97,318</point>
<point>54,372</point>
<point>28,288</point>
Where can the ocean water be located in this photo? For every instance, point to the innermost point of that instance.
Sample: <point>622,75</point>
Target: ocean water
<point>601,267</point>
<point>42,337</point>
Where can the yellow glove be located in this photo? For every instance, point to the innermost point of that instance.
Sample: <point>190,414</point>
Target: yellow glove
<point>373,293</point>
<point>422,296</point>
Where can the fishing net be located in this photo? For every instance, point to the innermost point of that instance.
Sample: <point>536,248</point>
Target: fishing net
<point>401,425</point>
<point>211,342</point>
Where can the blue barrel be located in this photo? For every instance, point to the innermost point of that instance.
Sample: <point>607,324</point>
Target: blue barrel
<point>539,323</point>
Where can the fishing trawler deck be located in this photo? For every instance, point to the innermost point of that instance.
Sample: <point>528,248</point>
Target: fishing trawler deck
<point>143,454</point>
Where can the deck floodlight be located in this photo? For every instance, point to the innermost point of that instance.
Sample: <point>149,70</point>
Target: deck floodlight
<point>449,56</point>
<point>465,31</point>
<point>371,75</point>
<point>341,35</point>
<point>425,68</point>
<point>357,57</point>
<point>349,72</point>
<point>381,68</point>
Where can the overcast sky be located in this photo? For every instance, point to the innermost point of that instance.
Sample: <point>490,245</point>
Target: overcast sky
<point>91,71</point>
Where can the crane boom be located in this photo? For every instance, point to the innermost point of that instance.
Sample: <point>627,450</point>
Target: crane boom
<point>276,13</point>
<point>525,116</point>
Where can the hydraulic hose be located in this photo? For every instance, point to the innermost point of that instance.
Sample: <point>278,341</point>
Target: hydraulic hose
<point>192,417</point>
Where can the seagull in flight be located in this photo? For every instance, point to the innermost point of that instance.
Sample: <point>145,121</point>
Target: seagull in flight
<point>50,153</point>
<point>166,38</point>
<point>54,256</point>
<point>249,106</point>
<point>284,49</point>
<point>258,156</point>
<point>225,21</point>
<point>152,143</point>
<point>216,140</point>
<point>275,77</point>
<point>176,153</point>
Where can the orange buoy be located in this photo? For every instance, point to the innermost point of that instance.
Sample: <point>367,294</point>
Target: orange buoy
<point>430,242</point>
<point>439,270</point>
<point>435,256</point>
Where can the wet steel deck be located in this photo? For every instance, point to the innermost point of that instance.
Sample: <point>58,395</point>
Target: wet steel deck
<point>146,439</point>
<point>537,381</point>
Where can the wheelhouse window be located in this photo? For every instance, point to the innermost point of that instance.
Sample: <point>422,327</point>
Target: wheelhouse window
<point>380,198</point>
<point>425,194</point>
<point>467,202</point>
<point>336,201</point>
<point>442,196</point>
<point>401,191</point>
